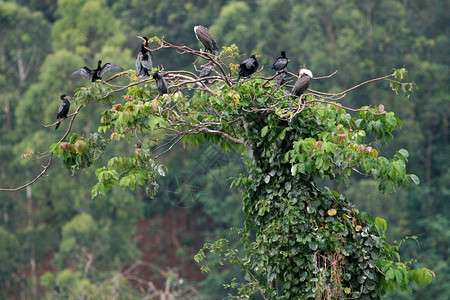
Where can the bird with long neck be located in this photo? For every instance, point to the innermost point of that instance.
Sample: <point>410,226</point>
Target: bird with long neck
<point>63,110</point>
<point>161,83</point>
<point>144,62</point>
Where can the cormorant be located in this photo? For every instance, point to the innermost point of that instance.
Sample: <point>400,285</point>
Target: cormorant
<point>63,110</point>
<point>205,72</point>
<point>97,73</point>
<point>281,62</point>
<point>206,38</point>
<point>161,84</point>
<point>144,62</point>
<point>248,66</point>
<point>302,84</point>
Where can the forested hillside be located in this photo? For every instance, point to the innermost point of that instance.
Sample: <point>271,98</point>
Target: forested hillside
<point>56,242</point>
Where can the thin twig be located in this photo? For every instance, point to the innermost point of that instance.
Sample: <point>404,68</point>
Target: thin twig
<point>45,167</point>
<point>327,76</point>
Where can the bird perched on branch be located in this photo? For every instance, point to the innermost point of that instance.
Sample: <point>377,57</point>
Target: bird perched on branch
<point>248,66</point>
<point>96,73</point>
<point>161,83</point>
<point>63,110</point>
<point>281,62</point>
<point>302,84</point>
<point>280,66</point>
<point>144,62</point>
<point>205,72</point>
<point>206,38</point>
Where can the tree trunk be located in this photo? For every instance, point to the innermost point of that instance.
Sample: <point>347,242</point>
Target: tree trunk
<point>30,206</point>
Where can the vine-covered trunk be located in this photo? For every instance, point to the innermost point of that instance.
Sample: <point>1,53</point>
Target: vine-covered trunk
<point>309,240</point>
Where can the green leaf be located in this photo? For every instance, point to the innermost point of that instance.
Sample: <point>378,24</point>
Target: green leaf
<point>319,162</point>
<point>347,172</point>
<point>399,276</point>
<point>400,73</point>
<point>390,274</point>
<point>404,153</point>
<point>283,133</point>
<point>326,164</point>
<point>264,131</point>
<point>381,222</point>
<point>367,218</point>
<point>423,276</point>
<point>153,122</point>
<point>415,179</point>
<point>313,246</point>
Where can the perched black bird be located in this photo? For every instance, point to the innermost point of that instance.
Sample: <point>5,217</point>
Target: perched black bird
<point>56,288</point>
<point>161,84</point>
<point>63,110</point>
<point>281,62</point>
<point>302,84</point>
<point>206,38</point>
<point>248,66</point>
<point>144,62</point>
<point>97,73</point>
<point>205,72</point>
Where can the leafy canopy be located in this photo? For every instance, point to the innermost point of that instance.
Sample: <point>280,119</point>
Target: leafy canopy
<point>310,241</point>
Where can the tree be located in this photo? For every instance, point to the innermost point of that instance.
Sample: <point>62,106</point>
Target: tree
<point>36,216</point>
<point>310,241</point>
<point>21,54</point>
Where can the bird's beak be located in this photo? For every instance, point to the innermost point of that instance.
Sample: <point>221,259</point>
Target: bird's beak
<point>257,55</point>
<point>68,97</point>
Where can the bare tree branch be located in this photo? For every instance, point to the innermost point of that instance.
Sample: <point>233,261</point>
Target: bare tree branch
<point>45,167</point>
<point>181,124</point>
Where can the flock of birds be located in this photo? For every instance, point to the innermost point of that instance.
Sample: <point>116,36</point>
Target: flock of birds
<point>144,65</point>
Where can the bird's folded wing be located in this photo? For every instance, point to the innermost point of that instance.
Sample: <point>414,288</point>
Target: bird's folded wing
<point>248,63</point>
<point>139,70</point>
<point>147,63</point>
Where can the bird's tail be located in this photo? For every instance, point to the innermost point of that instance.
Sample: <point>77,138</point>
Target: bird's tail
<point>293,99</point>
<point>292,103</point>
<point>57,124</point>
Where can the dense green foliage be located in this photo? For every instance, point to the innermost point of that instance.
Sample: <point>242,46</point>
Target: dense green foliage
<point>311,242</point>
<point>44,228</point>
